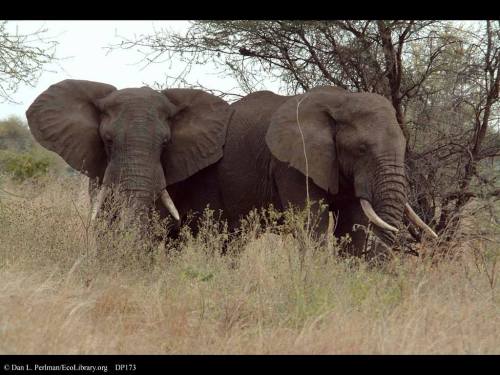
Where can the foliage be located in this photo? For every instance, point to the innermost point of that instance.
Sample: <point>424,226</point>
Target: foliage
<point>70,291</point>
<point>22,166</point>
<point>21,157</point>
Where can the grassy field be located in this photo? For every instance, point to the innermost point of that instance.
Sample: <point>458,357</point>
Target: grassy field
<point>58,295</point>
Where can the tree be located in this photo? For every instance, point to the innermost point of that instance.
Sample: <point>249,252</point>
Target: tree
<point>356,55</point>
<point>22,58</point>
<point>14,134</point>
<point>21,157</point>
<point>471,96</point>
<point>441,77</point>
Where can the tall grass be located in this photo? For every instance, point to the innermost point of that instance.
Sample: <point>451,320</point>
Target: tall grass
<point>67,287</point>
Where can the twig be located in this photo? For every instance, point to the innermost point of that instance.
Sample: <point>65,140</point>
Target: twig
<point>307,163</point>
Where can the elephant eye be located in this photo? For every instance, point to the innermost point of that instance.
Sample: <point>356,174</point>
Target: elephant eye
<point>164,115</point>
<point>107,139</point>
<point>362,149</point>
<point>104,115</point>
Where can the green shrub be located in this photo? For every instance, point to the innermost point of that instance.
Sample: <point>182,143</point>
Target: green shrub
<point>22,157</point>
<point>21,166</point>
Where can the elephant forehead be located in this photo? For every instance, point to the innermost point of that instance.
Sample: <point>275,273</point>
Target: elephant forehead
<point>142,95</point>
<point>370,104</point>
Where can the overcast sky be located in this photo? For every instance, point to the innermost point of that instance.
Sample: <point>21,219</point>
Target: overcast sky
<point>83,57</point>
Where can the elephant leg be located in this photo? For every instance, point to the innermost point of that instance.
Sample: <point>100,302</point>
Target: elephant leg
<point>347,213</point>
<point>292,190</point>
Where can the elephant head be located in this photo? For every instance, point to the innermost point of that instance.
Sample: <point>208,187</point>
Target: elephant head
<point>139,139</point>
<point>333,135</point>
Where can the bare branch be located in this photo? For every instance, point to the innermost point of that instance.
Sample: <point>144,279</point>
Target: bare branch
<point>23,58</point>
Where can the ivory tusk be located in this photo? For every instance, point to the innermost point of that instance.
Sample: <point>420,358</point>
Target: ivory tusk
<point>374,218</point>
<point>169,204</point>
<point>415,219</point>
<point>98,203</point>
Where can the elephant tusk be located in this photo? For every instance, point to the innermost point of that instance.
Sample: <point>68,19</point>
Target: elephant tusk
<point>169,204</point>
<point>98,203</point>
<point>374,218</point>
<point>415,219</point>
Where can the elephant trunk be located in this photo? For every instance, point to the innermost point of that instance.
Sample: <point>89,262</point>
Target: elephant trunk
<point>389,200</point>
<point>390,204</point>
<point>146,187</point>
<point>141,198</point>
<point>137,174</point>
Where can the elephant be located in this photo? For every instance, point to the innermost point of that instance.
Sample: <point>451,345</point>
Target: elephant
<point>159,147</point>
<point>348,147</point>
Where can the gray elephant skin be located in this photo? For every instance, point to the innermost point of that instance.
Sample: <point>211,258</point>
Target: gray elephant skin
<point>159,147</point>
<point>355,153</point>
<point>179,150</point>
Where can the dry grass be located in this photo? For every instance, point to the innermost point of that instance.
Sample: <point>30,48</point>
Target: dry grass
<point>58,295</point>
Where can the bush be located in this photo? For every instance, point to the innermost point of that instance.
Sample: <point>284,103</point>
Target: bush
<point>21,157</point>
<point>21,166</point>
<point>15,135</point>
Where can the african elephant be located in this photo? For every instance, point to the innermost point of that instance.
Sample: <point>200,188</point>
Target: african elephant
<point>159,147</point>
<point>348,144</point>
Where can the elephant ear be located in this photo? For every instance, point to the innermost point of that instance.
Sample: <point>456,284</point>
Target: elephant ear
<point>198,132</point>
<point>65,120</point>
<point>311,138</point>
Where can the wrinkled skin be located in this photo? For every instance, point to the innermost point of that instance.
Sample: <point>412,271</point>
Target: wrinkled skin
<point>140,140</point>
<point>354,146</point>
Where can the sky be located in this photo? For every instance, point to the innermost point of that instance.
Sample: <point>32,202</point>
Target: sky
<point>82,55</point>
